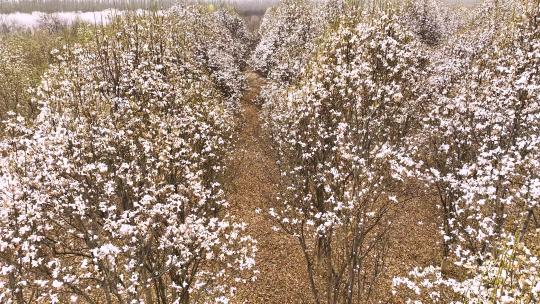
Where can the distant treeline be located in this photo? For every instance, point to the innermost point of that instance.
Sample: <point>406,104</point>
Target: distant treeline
<point>252,7</point>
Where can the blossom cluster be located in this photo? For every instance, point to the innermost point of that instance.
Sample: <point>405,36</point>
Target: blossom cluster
<point>113,193</point>
<point>510,276</point>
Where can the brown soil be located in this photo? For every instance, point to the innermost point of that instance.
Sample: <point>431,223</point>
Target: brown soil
<point>282,274</point>
<point>413,243</point>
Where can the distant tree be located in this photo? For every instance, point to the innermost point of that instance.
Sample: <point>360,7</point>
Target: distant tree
<point>51,23</point>
<point>426,20</point>
<point>288,32</point>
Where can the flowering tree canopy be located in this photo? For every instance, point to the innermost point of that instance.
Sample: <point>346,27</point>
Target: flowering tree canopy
<point>339,129</point>
<point>482,156</point>
<point>385,100</point>
<point>288,33</point>
<point>113,193</point>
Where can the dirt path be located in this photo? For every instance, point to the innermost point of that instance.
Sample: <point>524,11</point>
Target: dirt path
<point>282,276</point>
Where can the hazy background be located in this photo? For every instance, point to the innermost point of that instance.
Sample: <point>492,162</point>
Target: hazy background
<point>29,13</point>
<point>50,6</point>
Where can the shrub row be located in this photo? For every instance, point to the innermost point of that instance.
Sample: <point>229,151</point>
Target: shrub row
<point>113,193</point>
<point>389,101</point>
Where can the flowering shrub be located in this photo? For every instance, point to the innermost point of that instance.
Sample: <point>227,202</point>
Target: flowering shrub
<point>474,35</point>
<point>288,32</point>
<point>113,193</point>
<point>216,38</point>
<point>431,21</point>
<point>340,132</point>
<point>510,275</point>
<point>485,141</point>
<point>482,157</point>
<point>242,38</point>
